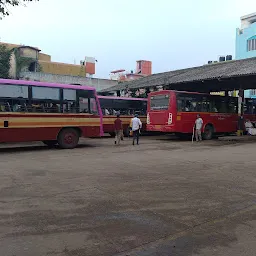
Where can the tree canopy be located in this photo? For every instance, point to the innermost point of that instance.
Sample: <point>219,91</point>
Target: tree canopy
<point>4,4</point>
<point>5,55</point>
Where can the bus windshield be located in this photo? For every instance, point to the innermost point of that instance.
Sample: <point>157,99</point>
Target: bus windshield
<point>159,102</point>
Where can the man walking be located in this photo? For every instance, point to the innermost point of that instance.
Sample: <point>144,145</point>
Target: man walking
<point>198,125</point>
<point>136,126</point>
<point>118,129</point>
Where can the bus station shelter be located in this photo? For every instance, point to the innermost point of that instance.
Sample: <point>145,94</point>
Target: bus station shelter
<point>222,76</point>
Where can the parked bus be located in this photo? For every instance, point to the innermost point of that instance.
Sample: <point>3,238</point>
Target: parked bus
<point>48,112</point>
<point>127,107</point>
<point>175,112</point>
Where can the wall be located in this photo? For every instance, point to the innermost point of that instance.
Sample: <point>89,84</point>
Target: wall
<point>99,84</point>
<point>62,68</point>
<point>44,57</point>
<point>241,42</point>
<point>28,53</point>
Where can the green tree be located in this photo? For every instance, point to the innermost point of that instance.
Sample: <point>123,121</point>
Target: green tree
<point>5,56</point>
<point>4,4</point>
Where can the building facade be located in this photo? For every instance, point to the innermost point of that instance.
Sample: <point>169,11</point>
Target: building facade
<point>246,43</point>
<point>31,64</point>
<point>143,68</point>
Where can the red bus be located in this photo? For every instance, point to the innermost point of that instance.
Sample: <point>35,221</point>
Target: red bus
<point>48,112</point>
<point>127,107</point>
<point>176,111</point>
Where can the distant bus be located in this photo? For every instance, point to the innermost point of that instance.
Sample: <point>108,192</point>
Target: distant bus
<point>175,112</point>
<point>127,107</point>
<point>48,112</point>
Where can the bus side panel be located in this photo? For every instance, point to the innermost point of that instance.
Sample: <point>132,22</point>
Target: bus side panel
<point>221,122</point>
<point>28,134</point>
<point>20,127</point>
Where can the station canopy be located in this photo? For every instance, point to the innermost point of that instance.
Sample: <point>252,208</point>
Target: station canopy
<point>221,76</point>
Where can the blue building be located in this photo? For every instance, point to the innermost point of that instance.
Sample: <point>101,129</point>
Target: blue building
<point>246,43</point>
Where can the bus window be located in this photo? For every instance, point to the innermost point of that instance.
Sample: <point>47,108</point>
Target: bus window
<point>205,104</point>
<point>232,105</point>
<point>83,105</point>
<point>13,91</point>
<point>221,105</point>
<point>69,107</point>
<point>93,106</point>
<point>193,103</point>
<point>160,102</point>
<point>14,98</point>
<point>45,99</point>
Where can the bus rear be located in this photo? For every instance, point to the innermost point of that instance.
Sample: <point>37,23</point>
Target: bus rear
<point>161,114</point>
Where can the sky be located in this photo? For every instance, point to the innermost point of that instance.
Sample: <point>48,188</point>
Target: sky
<point>173,34</point>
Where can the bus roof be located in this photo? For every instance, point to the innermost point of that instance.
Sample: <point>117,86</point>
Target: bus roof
<point>46,84</point>
<point>121,98</point>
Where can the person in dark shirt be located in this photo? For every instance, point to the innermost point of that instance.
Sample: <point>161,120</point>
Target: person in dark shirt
<point>118,129</point>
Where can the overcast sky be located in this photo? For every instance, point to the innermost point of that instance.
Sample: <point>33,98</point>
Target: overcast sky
<point>172,34</point>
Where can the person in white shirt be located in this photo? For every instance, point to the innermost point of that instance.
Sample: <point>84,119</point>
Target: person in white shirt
<point>250,128</point>
<point>198,126</point>
<point>136,126</point>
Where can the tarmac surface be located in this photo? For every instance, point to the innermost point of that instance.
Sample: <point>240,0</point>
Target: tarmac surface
<point>162,198</point>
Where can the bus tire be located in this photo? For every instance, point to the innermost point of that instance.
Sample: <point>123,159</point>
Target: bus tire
<point>208,132</point>
<point>112,134</point>
<point>68,138</point>
<point>126,132</point>
<point>50,143</point>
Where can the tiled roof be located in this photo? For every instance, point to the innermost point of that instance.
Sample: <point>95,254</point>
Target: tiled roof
<point>221,70</point>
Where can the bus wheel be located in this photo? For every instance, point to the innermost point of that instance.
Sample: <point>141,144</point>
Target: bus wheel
<point>50,143</point>
<point>68,138</point>
<point>208,132</point>
<point>112,134</point>
<point>126,132</point>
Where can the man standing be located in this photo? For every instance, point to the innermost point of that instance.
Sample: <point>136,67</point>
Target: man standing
<point>118,129</point>
<point>136,126</point>
<point>198,125</point>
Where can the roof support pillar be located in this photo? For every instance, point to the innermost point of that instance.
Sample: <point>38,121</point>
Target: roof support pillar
<point>240,112</point>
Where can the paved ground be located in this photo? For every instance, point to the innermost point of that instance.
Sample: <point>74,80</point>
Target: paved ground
<point>163,198</point>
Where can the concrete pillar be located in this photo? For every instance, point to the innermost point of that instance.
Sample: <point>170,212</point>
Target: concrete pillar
<point>240,112</point>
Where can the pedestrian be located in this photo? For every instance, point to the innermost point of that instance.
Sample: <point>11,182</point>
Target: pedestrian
<point>136,126</point>
<point>118,129</point>
<point>198,126</point>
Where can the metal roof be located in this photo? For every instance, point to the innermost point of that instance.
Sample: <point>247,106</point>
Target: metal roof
<point>220,70</point>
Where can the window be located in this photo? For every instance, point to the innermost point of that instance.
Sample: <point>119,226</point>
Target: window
<point>46,93</point>
<point>83,105</point>
<point>13,91</point>
<point>45,100</point>
<point>13,98</point>
<point>205,104</point>
<point>189,102</point>
<point>93,106</point>
<point>251,44</point>
<point>232,105</point>
<point>69,94</point>
<point>69,101</point>
<point>253,92</point>
<point>221,105</point>
<point>160,102</point>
